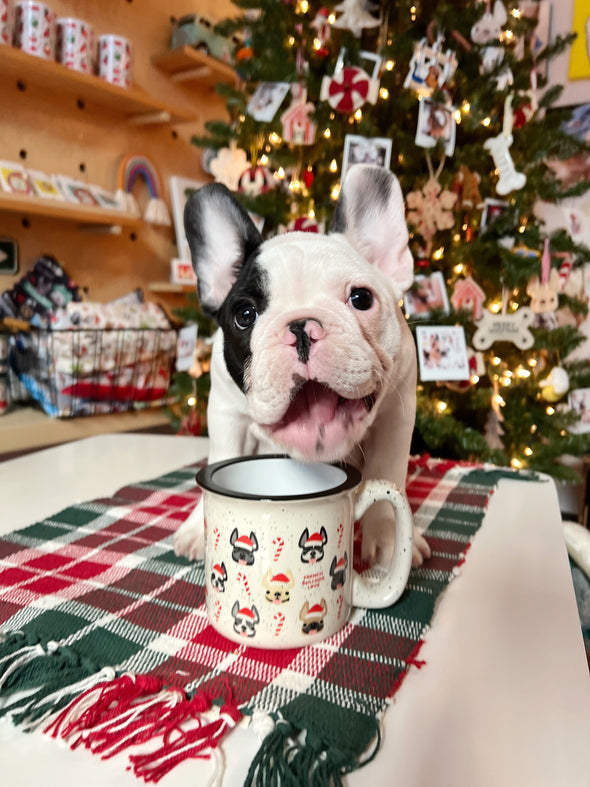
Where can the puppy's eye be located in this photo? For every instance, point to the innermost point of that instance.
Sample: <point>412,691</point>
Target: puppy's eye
<point>245,317</point>
<point>361,299</point>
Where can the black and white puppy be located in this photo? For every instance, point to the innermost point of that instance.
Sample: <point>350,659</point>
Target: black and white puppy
<point>313,357</point>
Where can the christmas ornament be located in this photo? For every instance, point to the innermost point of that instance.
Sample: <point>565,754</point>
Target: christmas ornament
<point>266,100</point>
<point>476,366</point>
<point>322,27</point>
<point>503,327</point>
<point>468,295</point>
<point>298,126</point>
<point>430,67</point>
<point>466,187</point>
<point>485,31</point>
<point>431,207</point>
<point>509,179</point>
<point>303,224</point>
<point>348,89</point>
<point>255,181</point>
<point>555,385</point>
<point>544,292</point>
<point>436,123</point>
<point>228,166</point>
<point>355,17</point>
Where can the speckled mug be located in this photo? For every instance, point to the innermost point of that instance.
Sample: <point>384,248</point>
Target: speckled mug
<point>279,545</point>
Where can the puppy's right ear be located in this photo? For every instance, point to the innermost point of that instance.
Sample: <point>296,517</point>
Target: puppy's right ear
<point>221,237</point>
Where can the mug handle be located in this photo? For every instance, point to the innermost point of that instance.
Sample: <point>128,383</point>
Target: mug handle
<point>377,595</point>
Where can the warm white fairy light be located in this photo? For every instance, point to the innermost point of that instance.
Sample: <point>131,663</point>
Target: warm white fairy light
<point>499,400</point>
<point>474,379</point>
<point>332,18</point>
<point>522,372</point>
<point>327,133</point>
<point>358,115</point>
<point>496,361</point>
<point>506,381</point>
<point>459,267</point>
<point>274,138</point>
<point>335,193</point>
<point>191,401</point>
<point>516,13</point>
<point>528,451</point>
<point>466,107</point>
<point>439,253</point>
<point>495,307</point>
<point>264,159</point>
<point>441,406</point>
<point>317,44</point>
<point>515,463</point>
<point>532,362</point>
<point>533,428</point>
<point>390,65</point>
<point>333,165</point>
<point>458,116</point>
<point>311,213</point>
<point>291,41</point>
<point>280,173</point>
<point>384,93</point>
<point>563,433</point>
<point>486,122</point>
<point>550,410</point>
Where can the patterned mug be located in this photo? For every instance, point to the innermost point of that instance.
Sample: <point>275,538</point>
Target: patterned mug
<point>279,546</point>
<point>6,22</point>
<point>35,29</point>
<point>115,59</point>
<point>76,45</point>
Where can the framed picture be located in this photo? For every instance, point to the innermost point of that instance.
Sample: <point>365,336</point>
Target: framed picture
<point>14,178</point>
<point>579,402</point>
<point>371,63</point>
<point>181,272</point>
<point>570,68</point>
<point>266,100</point>
<point>44,185</point>
<point>180,191</point>
<point>365,150</point>
<point>429,293</point>
<point>492,209</point>
<point>442,352</point>
<point>436,123</point>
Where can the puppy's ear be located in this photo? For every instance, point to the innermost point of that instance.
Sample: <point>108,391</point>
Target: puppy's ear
<point>370,214</point>
<point>221,237</point>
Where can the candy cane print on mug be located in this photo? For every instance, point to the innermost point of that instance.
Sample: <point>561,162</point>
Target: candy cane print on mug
<point>278,549</point>
<point>76,45</point>
<point>6,22</point>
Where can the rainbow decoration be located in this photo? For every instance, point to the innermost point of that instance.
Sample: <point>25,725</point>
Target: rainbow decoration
<point>131,168</point>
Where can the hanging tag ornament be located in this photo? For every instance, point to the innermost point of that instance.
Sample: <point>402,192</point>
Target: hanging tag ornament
<point>430,67</point>
<point>505,327</point>
<point>509,179</point>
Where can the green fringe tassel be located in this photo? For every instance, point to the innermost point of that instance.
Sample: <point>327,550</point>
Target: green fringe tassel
<point>37,670</point>
<point>314,743</point>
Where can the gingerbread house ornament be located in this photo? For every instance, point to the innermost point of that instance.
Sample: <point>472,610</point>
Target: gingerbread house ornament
<point>468,295</point>
<point>298,126</point>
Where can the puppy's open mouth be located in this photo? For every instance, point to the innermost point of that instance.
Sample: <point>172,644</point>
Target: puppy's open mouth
<point>318,419</point>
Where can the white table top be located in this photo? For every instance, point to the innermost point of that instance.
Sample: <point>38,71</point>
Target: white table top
<point>503,700</point>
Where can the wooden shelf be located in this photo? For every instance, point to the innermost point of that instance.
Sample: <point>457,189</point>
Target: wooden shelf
<point>187,64</point>
<point>51,81</point>
<point>26,427</point>
<point>168,286</point>
<point>66,211</point>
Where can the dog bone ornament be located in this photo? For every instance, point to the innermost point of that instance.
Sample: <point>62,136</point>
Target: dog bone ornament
<point>509,179</point>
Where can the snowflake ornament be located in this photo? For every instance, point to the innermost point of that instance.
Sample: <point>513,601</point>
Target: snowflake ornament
<point>229,164</point>
<point>430,209</point>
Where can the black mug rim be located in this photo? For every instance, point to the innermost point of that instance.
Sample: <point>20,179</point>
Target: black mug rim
<point>206,480</point>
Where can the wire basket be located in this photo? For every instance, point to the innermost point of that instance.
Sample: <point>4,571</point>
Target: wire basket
<point>88,372</point>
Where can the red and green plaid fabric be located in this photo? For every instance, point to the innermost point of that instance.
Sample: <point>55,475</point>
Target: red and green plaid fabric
<point>97,586</point>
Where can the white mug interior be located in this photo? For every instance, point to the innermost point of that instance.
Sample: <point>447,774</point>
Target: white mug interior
<point>276,478</point>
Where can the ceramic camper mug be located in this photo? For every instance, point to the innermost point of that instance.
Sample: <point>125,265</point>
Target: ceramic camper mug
<point>278,549</point>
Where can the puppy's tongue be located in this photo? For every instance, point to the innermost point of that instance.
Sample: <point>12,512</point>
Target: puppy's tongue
<point>313,406</point>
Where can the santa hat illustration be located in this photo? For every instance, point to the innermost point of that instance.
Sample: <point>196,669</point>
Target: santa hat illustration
<point>315,612</point>
<point>245,543</point>
<point>279,579</point>
<point>315,541</point>
<point>247,613</point>
<point>341,564</point>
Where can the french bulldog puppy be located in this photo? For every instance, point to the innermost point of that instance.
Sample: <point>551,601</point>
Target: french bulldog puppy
<point>313,357</point>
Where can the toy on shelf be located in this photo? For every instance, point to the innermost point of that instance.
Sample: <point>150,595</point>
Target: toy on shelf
<point>131,168</point>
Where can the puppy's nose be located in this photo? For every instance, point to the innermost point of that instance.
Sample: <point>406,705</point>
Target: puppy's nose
<point>303,334</point>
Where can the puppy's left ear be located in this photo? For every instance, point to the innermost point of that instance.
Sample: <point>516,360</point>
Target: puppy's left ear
<point>370,214</point>
<point>221,236</point>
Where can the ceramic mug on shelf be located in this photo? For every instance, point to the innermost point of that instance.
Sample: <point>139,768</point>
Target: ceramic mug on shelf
<point>115,59</point>
<point>76,45</point>
<point>35,29</point>
<point>279,548</point>
<point>6,22</point>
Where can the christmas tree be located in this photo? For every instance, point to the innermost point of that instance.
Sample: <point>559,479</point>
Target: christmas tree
<point>453,98</point>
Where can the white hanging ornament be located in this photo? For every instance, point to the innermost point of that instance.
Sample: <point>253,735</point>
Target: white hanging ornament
<point>228,166</point>
<point>544,292</point>
<point>486,31</point>
<point>504,327</point>
<point>555,385</point>
<point>509,179</point>
<point>430,67</point>
<point>355,17</point>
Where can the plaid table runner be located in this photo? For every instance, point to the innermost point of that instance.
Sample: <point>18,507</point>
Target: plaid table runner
<point>105,641</point>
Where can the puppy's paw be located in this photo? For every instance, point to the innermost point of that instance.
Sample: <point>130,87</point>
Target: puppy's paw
<point>189,539</point>
<point>420,548</point>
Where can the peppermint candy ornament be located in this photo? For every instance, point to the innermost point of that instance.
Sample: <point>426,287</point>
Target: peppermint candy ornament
<point>348,89</point>
<point>255,181</point>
